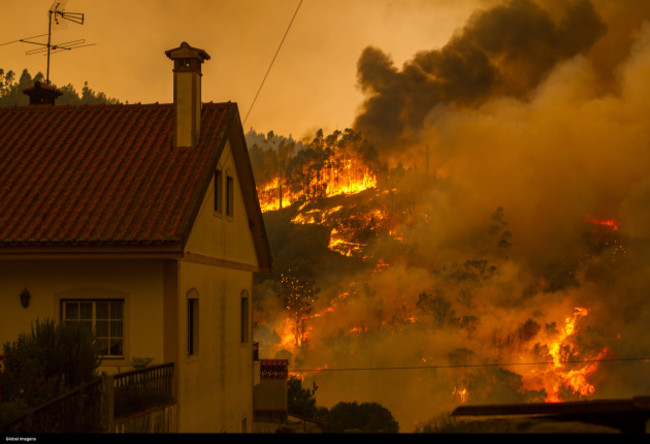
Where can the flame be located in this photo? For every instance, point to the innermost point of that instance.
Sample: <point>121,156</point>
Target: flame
<point>353,178</point>
<point>380,266</point>
<point>358,330</point>
<point>274,195</point>
<point>568,330</point>
<point>610,223</point>
<point>340,245</point>
<point>559,380</point>
<point>461,394</point>
<point>287,333</point>
<point>344,175</point>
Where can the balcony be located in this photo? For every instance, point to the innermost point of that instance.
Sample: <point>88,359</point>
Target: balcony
<point>105,404</point>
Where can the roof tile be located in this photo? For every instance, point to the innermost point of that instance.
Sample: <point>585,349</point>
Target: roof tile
<point>101,175</point>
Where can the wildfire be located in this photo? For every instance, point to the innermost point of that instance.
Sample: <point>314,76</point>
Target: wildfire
<point>315,215</point>
<point>340,245</point>
<point>273,196</point>
<point>559,380</point>
<point>344,175</point>
<point>380,266</point>
<point>461,394</point>
<point>358,330</point>
<point>353,178</point>
<point>568,330</point>
<point>609,223</point>
<point>287,333</point>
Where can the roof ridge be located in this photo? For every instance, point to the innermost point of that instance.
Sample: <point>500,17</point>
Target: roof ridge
<point>49,108</point>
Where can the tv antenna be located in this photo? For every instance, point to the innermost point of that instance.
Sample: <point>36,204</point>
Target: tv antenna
<point>57,16</point>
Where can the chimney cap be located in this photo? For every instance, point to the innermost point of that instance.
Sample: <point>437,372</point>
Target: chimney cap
<point>185,51</point>
<point>42,93</point>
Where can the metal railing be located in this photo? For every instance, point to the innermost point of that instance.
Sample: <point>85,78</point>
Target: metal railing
<point>139,390</point>
<point>78,411</point>
<point>274,368</point>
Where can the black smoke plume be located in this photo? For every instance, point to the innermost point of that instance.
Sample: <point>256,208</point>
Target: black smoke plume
<point>507,50</point>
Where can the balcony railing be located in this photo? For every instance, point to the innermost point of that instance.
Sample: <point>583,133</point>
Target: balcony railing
<point>139,390</point>
<point>85,409</point>
<point>274,368</point>
<point>78,411</point>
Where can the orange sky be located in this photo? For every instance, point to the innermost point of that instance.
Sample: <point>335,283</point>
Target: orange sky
<point>313,81</point>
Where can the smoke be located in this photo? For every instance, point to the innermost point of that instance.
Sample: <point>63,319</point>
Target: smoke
<point>533,134</point>
<point>504,51</point>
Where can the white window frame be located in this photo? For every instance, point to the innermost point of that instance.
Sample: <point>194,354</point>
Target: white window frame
<point>110,333</point>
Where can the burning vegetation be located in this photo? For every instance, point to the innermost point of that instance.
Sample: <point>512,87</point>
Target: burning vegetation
<point>485,242</point>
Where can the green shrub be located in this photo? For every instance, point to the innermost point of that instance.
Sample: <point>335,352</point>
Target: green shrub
<point>43,364</point>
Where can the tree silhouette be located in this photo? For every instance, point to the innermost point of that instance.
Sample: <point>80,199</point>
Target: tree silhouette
<point>367,417</point>
<point>299,296</point>
<point>11,91</point>
<point>301,401</point>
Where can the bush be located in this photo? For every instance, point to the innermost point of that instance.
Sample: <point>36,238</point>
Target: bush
<point>367,417</point>
<point>45,363</point>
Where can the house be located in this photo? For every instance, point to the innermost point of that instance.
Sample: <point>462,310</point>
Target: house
<point>143,221</point>
<point>270,406</point>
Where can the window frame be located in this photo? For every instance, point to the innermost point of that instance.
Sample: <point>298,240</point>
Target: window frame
<point>63,302</point>
<point>230,196</point>
<point>192,326</point>
<point>218,192</point>
<point>244,316</point>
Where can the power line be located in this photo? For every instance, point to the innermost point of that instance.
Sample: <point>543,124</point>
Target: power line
<point>272,61</point>
<point>433,367</point>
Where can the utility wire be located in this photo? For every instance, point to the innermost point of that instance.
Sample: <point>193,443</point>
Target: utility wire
<point>272,61</point>
<point>429,367</point>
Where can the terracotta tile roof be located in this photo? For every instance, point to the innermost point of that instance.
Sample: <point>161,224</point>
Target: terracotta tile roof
<point>103,175</point>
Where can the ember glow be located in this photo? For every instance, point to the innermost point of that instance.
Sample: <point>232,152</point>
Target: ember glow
<point>610,223</point>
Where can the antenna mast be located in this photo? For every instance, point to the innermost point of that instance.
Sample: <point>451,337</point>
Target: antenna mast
<point>56,11</point>
<point>56,15</point>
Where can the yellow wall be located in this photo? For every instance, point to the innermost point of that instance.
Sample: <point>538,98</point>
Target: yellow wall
<point>187,99</point>
<point>214,386</point>
<point>138,282</point>
<point>217,235</point>
<point>217,382</point>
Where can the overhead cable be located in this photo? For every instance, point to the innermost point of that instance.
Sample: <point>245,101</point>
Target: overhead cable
<point>272,61</point>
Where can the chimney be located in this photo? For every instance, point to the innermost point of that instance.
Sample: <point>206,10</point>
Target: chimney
<point>42,94</point>
<point>187,93</point>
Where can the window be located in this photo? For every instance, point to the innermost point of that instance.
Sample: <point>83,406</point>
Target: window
<point>244,316</point>
<point>192,326</point>
<point>106,317</point>
<point>230,187</point>
<point>218,191</point>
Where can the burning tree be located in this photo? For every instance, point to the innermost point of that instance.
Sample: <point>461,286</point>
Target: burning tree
<point>287,172</point>
<point>299,296</point>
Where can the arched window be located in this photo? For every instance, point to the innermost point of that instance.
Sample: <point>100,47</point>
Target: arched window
<point>245,316</point>
<point>192,322</point>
